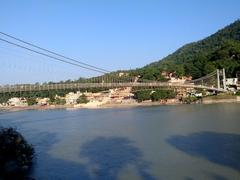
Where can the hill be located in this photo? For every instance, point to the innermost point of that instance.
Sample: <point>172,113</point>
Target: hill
<point>220,50</point>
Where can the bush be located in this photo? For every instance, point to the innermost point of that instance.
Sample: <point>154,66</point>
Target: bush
<point>15,154</point>
<point>82,99</point>
<point>60,101</point>
<point>162,94</point>
<point>189,100</point>
<point>238,93</point>
<point>31,101</point>
<point>142,95</point>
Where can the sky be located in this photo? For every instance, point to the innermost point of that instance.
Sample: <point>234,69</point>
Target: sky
<point>111,34</point>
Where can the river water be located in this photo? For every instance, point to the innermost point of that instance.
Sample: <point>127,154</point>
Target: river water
<point>165,142</point>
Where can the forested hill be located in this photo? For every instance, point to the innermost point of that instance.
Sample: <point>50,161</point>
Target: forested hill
<point>220,50</point>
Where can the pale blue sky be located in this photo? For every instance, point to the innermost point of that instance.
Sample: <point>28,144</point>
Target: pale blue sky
<point>112,34</point>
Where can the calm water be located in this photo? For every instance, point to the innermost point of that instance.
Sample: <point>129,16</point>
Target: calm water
<point>168,142</point>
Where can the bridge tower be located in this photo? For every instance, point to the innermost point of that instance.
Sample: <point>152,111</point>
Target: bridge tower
<point>224,79</point>
<point>218,79</point>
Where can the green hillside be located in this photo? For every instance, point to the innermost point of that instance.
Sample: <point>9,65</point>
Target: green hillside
<point>220,50</point>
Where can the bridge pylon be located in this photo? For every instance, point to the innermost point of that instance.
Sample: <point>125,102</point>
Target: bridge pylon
<point>218,79</point>
<point>224,79</point>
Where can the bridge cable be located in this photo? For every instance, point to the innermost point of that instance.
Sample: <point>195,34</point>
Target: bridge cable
<point>50,56</point>
<point>57,54</point>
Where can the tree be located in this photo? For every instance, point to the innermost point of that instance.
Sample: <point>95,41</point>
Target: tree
<point>60,101</point>
<point>31,101</point>
<point>162,94</point>
<point>15,154</point>
<point>180,70</point>
<point>142,95</point>
<point>82,99</point>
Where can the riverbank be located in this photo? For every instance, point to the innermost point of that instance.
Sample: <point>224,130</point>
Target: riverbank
<point>221,99</point>
<point>206,100</point>
<point>90,106</point>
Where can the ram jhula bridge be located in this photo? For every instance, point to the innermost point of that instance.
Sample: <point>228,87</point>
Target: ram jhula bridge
<point>214,81</point>
<point>211,82</point>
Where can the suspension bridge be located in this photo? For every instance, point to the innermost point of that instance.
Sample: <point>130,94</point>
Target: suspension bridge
<point>214,81</point>
<point>210,82</point>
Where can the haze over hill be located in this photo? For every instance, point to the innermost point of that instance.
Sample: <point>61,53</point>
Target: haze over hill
<point>220,50</point>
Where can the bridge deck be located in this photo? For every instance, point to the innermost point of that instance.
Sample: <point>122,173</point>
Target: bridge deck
<point>31,87</point>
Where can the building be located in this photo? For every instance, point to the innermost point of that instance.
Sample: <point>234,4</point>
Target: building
<point>231,81</point>
<point>43,101</point>
<point>17,102</point>
<point>71,98</point>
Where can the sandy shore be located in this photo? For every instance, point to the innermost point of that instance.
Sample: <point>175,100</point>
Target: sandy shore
<point>115,105</point>
<point>71,107</point>
<point>219,99</point>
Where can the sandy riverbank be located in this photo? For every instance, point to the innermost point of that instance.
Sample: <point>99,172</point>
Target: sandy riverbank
<point>118,105</point>
<point>86,106</point>
<point>221,99</point>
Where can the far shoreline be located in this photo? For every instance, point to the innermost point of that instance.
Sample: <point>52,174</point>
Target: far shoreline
<point>114,105</point>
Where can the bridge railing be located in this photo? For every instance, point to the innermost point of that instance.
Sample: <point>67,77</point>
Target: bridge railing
<point>59,86</point>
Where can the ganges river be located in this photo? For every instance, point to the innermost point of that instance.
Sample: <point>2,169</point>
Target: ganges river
<point>186,142</point>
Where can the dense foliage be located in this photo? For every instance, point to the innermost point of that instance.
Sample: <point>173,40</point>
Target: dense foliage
<point>142,95</point>
<point>59,101</point>
<point>31,101</point>
<point>238,93</point>
<point>220,50</point>
<point>15,154</point>
<point>31,96</point>
<point>160,94</point>
<point>190,99</point>
<point>82,99</point>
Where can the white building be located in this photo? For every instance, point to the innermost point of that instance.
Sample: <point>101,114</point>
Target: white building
<point>71,98</point>
<point>231,81</point>
<point>43,101</point>
<point>17,102</point>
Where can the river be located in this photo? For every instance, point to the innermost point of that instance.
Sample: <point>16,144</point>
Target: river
<point>166,142</point>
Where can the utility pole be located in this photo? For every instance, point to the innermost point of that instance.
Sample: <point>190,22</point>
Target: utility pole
<point>218,79</point>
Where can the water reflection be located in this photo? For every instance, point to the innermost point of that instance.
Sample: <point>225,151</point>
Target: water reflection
<point>108,156</point>
<point>47,167</point>
<point>217,177</point>
<point>220,148</point>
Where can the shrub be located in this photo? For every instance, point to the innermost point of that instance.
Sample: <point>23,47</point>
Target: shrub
<point>31,101</point>
<point>162,94</point>
<point>60,101</point>
<point>15,154</point>
<point>238,93</point>
<point>82,99</point>
<point>189,100</point>
<point>142,95</point>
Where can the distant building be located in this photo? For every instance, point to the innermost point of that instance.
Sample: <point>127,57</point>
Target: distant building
<point>231,81</point>
<point>17,102</point>
<point>43,101</point>
<point>71,98</point>
<point>196,94</point>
